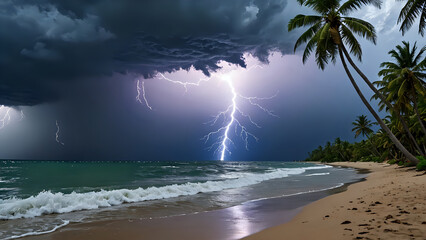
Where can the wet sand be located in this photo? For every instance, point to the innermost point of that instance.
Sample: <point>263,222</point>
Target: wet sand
<point>229,223</point>
<point>391,204</point>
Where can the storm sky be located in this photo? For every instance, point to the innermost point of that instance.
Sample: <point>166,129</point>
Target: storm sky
<point>77,62</point>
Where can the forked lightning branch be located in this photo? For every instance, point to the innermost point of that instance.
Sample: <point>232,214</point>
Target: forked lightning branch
<point>228,123</point>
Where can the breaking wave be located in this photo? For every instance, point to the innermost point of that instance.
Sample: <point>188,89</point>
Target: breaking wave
<point>47,202</point>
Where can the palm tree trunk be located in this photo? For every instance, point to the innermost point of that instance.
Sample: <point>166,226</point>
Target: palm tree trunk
<point>388,104</point>
<point>343,156</point>
<point>416,110</point>
<point>385,128</point>
<point>376,152</point>
<point>382,97</point>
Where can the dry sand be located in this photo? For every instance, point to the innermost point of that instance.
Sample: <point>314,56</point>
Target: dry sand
<point>391,204</point>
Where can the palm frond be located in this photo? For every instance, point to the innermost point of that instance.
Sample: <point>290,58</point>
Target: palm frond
<point>307,35</point>
<point>326,48</point>
<point>387,72</point>
<point>397,57</point>
<point>362,28</point>
<point>352,5</point>
<point>310,46</point>
<point>420,66</point>
<point>409,14</point>
<point>419,55</point>
<point>422,24</point>
<point>322,6</point>
<point>302,21</point>
<point>352,42</point>
<point>321,57</point>
<point>389,65</point>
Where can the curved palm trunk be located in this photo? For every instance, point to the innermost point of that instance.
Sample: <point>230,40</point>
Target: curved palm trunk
<point>388,104</point>
<point>385,128</point>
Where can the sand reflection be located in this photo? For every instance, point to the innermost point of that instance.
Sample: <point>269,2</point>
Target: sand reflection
<point>240,222</point>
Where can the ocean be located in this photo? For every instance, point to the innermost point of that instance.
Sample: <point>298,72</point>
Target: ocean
<point>38,197</point>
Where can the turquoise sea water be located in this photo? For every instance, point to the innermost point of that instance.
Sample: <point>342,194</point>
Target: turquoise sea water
<point>41,196</point>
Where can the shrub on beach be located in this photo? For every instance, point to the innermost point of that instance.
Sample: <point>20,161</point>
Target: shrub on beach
<point>392,161</point>
<point>421,166</point>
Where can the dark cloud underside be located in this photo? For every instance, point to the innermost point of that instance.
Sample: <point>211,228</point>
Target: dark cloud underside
<point>46,44</point>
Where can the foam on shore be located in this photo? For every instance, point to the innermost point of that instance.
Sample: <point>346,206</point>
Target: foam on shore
<point>47,202</point>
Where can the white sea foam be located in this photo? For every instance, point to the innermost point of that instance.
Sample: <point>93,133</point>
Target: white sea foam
<point>47,202</point>
<point>299,193</point>
<point>38,233</point>
<point>318,174</point>
<point>318,167</point>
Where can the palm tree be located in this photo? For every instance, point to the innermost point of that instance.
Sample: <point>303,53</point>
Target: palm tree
<point>359,27</point>
<point>362,126</point>
<point>409,13</point>
<point>329,32</point>
<point>341,149</point>
<point>403,79</point>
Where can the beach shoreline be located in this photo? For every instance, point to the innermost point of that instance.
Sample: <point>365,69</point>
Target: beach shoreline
<point>229,223</point>
<point>365,206</point>
<point>388,205</point>
<point>233,222</point>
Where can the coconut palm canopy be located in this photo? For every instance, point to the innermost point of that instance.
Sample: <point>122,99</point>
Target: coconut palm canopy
<point>362,126</point>
<point>404,79</point>
<point>332,26</point>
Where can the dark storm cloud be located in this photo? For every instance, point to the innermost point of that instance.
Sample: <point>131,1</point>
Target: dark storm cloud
<point>46,44</point>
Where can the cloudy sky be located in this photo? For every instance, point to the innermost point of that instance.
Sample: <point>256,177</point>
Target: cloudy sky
<point>77,63</point>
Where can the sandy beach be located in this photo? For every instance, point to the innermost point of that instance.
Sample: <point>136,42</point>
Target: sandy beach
<point>389,205</point>
<point>229,223</point>
<point>189,217</point>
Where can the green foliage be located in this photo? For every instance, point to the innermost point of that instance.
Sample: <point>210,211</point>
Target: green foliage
<point>421,166</point>
<point>409,13</point>
<point>402,89</point>
<point>376,148</point>
<point>403,79</point>
<point>330,28</point>
<point>392,161</point>
<point>362,126</point>
<point>340,151</point>
<point>403,85</point>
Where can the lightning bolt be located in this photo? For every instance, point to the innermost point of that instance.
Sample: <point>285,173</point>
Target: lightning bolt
<point>5,119</point>
<point>234,109</point>
<point>232,116</point>
<point>57,133</point>
<point>141,87</point>
<point>184,84</point>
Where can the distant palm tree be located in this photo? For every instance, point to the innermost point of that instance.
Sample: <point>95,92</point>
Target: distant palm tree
<point>409,13</point>
<point>362,126</point>
<point>403,80</point>
<point>329,32</point>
